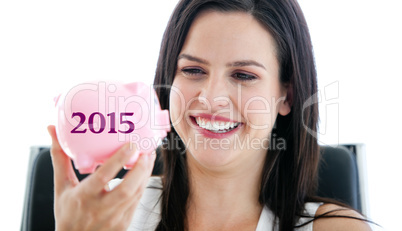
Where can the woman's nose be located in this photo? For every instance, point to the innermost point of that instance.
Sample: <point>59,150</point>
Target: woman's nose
<point>215,93</point>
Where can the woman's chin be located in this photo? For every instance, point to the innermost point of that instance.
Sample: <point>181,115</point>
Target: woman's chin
<point>216,160</point>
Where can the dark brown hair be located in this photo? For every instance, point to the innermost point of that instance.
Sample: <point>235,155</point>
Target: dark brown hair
<point>289,175</point>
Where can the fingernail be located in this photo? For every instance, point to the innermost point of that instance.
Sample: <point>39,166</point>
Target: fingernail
<point>134,157</point>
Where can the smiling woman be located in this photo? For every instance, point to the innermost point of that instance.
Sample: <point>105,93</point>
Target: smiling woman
<point>243,70</point>
<point>229,72</point>
<point>218,74</point>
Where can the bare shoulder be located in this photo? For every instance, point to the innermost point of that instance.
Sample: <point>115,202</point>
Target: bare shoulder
<point>340,223</point>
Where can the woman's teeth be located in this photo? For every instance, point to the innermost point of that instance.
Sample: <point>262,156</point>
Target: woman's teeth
<point>216,126</point>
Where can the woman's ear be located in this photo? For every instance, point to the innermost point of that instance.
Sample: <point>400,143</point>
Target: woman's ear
<point>286,105</point>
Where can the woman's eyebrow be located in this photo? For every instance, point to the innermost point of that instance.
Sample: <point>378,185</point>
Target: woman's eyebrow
<point>245,63</point>
<point>241,63</point>
<point>192,58</point>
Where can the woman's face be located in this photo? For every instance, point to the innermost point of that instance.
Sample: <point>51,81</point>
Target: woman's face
<point>226,92</point>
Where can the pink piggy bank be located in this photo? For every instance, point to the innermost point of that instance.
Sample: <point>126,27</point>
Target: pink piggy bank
<point>95,119</point>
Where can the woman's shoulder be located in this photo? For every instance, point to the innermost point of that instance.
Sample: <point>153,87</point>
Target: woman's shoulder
<point>349,219</point>
<point>155,182</point>
<point>152,193</point>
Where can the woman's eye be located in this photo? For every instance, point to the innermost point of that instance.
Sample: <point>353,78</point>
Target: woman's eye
<point>243,76</point>
<point>192,71</point>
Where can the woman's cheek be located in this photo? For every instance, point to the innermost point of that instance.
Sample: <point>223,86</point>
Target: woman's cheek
<point>177,104</point>
<point>259,113</point>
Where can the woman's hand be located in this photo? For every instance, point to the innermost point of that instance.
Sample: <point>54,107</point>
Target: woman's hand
<point>88,205</point>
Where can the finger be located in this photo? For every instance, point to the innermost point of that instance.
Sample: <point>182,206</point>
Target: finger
<point>136,197</point>
<point>141,171</point>
<point>134,182</point>
<point>123,207</point>
<point>130,208</point>
<point>106,172</point>
<point>137,193</point>
<point>63,170</point>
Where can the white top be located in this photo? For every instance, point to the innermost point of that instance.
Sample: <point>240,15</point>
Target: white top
<point>147,214</point>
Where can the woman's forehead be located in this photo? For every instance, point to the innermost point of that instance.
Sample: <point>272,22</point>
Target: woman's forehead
<point>229,36</point>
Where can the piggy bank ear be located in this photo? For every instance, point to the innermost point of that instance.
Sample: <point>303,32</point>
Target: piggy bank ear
<point>137,87</point>
<point>56,99</point>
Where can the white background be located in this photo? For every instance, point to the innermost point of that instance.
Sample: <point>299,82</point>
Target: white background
<point>46,46</point>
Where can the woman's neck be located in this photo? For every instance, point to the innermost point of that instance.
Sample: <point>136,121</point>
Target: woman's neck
<point>228,196</point>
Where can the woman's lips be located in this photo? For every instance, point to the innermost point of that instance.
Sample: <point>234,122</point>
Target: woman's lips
<point>213,117</point>
<point>211,134</point>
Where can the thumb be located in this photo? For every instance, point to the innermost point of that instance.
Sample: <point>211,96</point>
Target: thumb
<point>64,174</point>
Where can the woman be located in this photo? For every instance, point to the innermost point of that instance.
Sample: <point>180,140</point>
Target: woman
<point>234,76</point>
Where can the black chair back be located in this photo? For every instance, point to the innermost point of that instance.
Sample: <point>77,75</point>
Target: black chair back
<point>338,179</point>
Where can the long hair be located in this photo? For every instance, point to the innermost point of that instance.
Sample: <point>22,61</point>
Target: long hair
<point>289,174</point>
